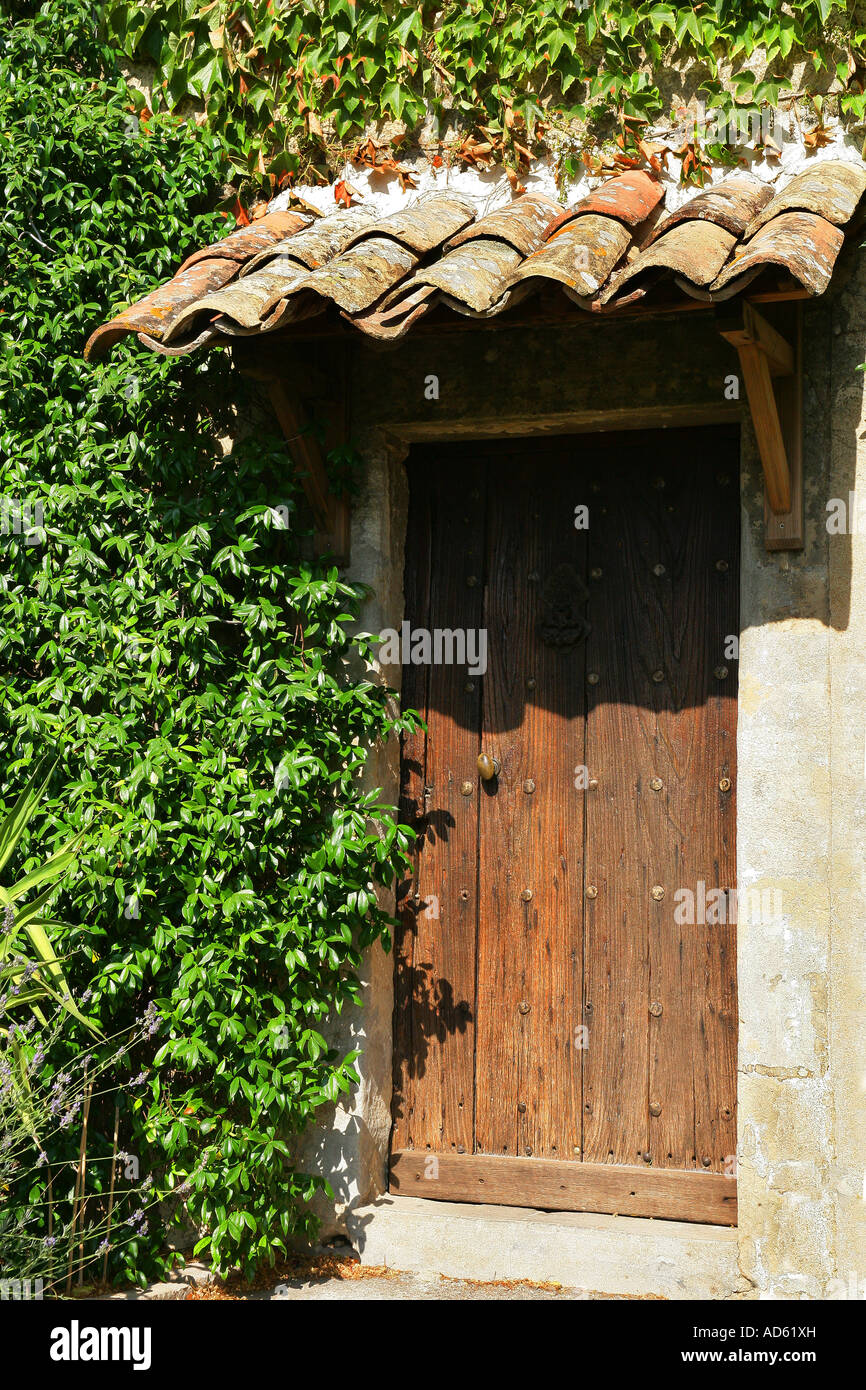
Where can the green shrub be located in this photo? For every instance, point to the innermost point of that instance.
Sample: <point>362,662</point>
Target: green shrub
<point>159,630</point>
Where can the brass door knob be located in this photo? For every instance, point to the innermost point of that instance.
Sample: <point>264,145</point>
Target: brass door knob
<point>487,766</point>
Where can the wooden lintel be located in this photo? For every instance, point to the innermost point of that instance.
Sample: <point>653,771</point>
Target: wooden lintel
<point>537,312</point>
<point>331,514</point>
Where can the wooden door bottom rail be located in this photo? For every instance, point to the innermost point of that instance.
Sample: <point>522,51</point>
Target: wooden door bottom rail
<point>563,1185</point>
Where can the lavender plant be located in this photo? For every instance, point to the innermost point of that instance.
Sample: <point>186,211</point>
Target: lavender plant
<point>61,1208</point>
<point>62,1211</point>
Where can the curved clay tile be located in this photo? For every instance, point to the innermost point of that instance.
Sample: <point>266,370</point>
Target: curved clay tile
<point>475,274</point>
<point>695,251</point>
<point>205,271</point>
<point>731,204</point>
<point>830,188</point>
<point>245,242</point>
<point>157,311</point>
<point>630,198</point>
<point>522,224</point>
<point>580,256</point>
<point>358,277</point>
<point>429,221</point>
<point>801,242</point>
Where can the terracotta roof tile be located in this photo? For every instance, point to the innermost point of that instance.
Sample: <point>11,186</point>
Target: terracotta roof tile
<point>581,255</point>
<point>731,204</point>
<point>829,188</point>
<point>609,250</point>
<point>696,251</point>
<point>630,198</point>
<point>805,244</point>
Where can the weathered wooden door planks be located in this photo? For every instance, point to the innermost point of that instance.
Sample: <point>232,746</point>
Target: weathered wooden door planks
<point>554,1003</point>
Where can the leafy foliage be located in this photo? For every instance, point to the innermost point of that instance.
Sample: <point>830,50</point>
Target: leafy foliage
<point>30,983</point>
<point>286,83</point>
<point>159,630</point>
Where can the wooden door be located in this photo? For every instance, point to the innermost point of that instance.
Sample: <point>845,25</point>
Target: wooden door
<point>565,969</point>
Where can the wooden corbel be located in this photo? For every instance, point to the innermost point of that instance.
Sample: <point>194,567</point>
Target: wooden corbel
<point>331,514</point>
<point>777,413</point>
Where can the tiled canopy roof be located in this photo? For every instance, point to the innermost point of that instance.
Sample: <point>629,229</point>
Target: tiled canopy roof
<point>384,274</point>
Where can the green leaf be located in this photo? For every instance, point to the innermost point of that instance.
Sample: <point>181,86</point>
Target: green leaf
<point>16,821</point>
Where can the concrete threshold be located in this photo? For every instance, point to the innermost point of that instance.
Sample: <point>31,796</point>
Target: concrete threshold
<point>622,1255</point>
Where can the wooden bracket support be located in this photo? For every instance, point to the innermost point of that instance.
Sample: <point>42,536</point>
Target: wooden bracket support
<point>331,514</point>
<point>777,413</point>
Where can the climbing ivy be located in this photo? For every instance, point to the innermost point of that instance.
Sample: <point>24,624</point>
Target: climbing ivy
<point>289,85</point>
<point>196,678</point>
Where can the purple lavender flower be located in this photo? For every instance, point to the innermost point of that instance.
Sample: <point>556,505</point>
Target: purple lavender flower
<point>49,1242</point>
<point>43,1158</point>
<point>66,1120</point>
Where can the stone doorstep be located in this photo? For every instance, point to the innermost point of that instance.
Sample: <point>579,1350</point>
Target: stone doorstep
<point>600,1254</point>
